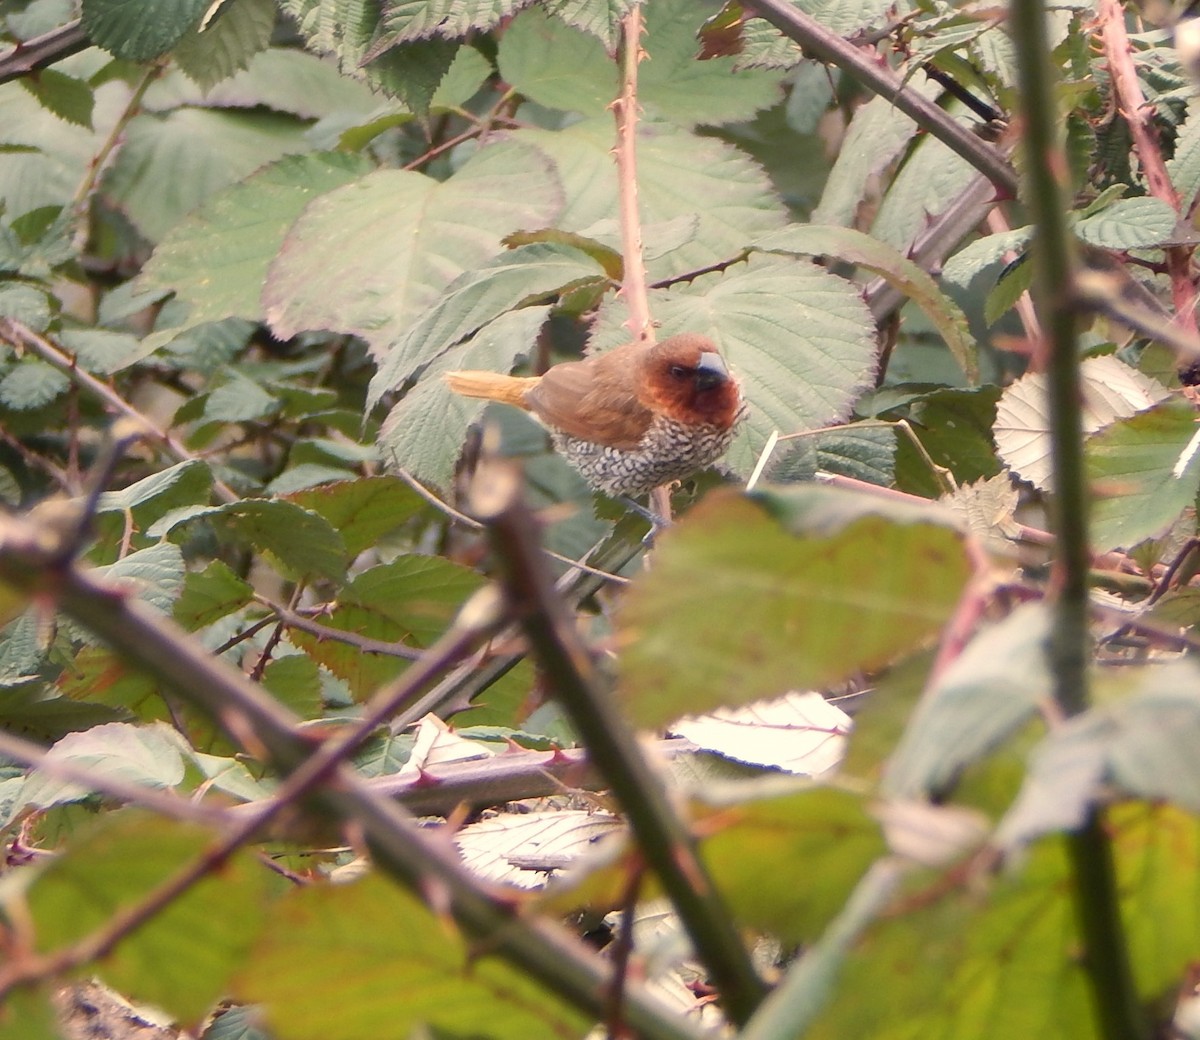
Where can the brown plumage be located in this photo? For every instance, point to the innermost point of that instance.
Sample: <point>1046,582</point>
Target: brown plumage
<point>633,418</point>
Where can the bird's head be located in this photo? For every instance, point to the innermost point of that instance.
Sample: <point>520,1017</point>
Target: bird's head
<point>685,378</point>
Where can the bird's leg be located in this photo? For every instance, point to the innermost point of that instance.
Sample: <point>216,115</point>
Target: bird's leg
<point>657,523</point>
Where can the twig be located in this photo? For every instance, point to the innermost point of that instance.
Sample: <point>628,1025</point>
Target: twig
<point>291,619</point>
<point>1108,293</point>
<point>475,525</point>
<point>621,952</point>
<point>665,841</point>
<point>540,948</point>
<point>97,163</point>
<point>1131,103</point>
<point>42,51</point>
<point>55,473</point>
<point>438,789</point>
<point>821,43</point>
<point>482,124</point>
<point>625,108</point>
<point>23,337</point>
<point>968,612</point>
<point>1097,909</point>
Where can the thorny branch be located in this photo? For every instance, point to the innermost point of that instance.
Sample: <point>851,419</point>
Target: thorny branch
<point>399,846</point>
<point>1139,117</point>
<point>625,108</point>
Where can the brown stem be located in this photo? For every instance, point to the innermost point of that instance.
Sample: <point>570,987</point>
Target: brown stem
<point>399,846</point>
<point>42,51</point>
<point>625,108</point>
<point>665,841</point>
<point>1131,103</point>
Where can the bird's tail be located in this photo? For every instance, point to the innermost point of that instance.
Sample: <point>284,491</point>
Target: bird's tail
<point>492,386</point>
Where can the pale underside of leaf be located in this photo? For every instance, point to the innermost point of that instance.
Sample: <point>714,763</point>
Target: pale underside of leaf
<point>1112,390</point>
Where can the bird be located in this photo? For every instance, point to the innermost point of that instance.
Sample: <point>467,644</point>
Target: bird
<point>630,419</point>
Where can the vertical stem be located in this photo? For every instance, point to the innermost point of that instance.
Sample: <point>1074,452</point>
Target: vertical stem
<point>1095,892</point>
<point>665,841</point>
<point>625,108</point>
<point>1131,103</point>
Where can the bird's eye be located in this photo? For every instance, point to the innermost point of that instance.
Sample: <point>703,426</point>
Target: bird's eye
<point>678,372</point>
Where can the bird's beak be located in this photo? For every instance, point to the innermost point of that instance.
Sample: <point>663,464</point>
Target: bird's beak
<point>710,371</point>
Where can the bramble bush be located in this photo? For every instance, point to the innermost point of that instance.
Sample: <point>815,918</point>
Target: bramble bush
<point>280,611</point>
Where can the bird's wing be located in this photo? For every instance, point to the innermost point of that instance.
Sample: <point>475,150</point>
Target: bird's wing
<point>594,400</point>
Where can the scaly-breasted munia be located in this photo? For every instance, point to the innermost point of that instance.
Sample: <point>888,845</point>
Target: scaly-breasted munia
<point>630,419</point>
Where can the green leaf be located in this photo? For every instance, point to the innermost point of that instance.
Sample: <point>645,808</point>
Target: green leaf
<point>876,135</point>
<point>1149,755</point>
<point>26,712</point>
<point>67,97</point>
<point>982,253</point>
<point>1184,166</point>
<point>210,595</point>
<point>154,574</point>
<point>1015,279</point>
<point>28,1014</point>
<point>214,52</point>
<point>800,340</point>
<point>555,65</point>
<point>410,601</point>
<point>31,384</point>
<point>955,429</point>
<point>217,258</point>
<point>238,398</point>
<point>139,29</point>
<point>1002,965</point>
<point>153,496</point>
<point>150,756</point>
<point>424,432</point>
<point>680,176</point>
<point>413,72</point>
<point>599,18</point>
<point>295,681</point>
<point>676,86</point>
<point>846,18</point>
<point>1129,224</point>
<point>1111,391</point>
<point>406,20</point>
<point>340,27</point>
<point>900,273</point>
<point>403,238</point>
<point>284,79</point>
<point>827,830</point>
<point>362,511</point>
<point>26,304</point>
<point>1006,962</point>
<point>931,178</point>
<point>989,691</point>
<point>183,956</point>
<point>560,67</point>
<point>99,350</point>
<point>236,1023</point>
<point>50,156</point>
<point>392,977</point>
<point>466,75</point>
<point>523,275</point>
<point>168,166</point>
<point>739,606</point>
<point>1145,471</point>
<point>303,541</point>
